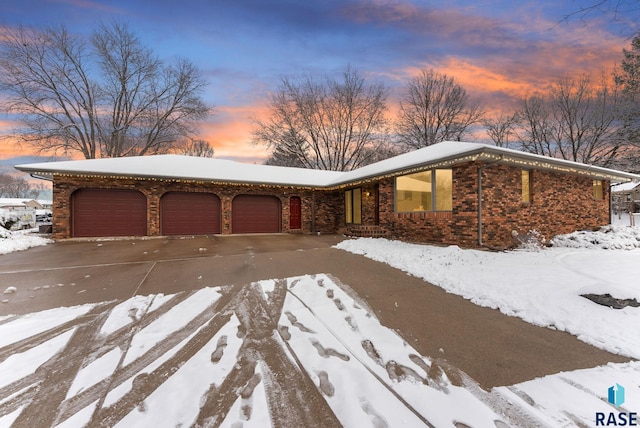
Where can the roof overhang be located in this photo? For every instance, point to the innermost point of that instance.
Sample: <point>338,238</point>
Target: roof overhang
<point>526,161</point>
<point>489,154</point>
<point>442,155</point>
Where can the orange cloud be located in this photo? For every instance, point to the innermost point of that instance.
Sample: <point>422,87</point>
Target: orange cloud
<point>511,79</point>
<point>10,148</point>
<point>229,132</point>
<point>478,79</point>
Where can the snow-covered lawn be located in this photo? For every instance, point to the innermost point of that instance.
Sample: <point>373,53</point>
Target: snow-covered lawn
<point>237,356</point>
<point>541,286</point>
<point>19,240</point>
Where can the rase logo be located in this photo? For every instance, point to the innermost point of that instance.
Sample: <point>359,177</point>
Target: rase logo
<point>615,396</point>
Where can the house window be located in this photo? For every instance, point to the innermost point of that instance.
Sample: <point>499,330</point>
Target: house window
<point>425,191</point>
<point>526,186</point>
<point>597,189</point>
<point>353,206</point>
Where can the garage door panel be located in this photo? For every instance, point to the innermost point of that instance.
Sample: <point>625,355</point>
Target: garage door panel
<point>255,214</point>
<point>189,213</point>
<point>109,212</point>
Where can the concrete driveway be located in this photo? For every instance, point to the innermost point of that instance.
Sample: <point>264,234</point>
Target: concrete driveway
<point>492,348</point>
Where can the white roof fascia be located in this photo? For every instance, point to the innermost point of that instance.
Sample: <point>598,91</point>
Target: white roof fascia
<point>442,155</point>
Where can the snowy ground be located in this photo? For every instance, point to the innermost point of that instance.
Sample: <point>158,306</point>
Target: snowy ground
<point>544,287</point>
<point>19,240</point>
<point>303,351</point>
<point>231,356</point>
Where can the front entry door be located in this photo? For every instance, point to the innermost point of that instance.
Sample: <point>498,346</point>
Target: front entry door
<point>295,213</point>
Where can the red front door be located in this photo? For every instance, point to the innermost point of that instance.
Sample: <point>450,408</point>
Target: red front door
<point>295,213</point>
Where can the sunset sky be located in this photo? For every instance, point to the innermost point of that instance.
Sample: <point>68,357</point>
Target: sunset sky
<point>498,50</point>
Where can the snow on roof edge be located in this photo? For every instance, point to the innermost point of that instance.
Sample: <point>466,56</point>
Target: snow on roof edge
<point>186,168</point>
<point>213,169</point>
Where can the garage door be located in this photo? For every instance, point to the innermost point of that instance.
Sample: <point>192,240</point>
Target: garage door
<point>186,213</point>
<point>255,214</point>
<point>102,212</point>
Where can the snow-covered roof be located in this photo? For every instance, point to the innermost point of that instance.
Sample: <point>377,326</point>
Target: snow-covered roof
<point>13,202</point>
<point>455,152</point>
<point>208,169</point>
<point>625,187</point>
<point>186,168</point>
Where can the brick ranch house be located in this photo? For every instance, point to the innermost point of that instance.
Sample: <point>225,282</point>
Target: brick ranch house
<point>467,194</point>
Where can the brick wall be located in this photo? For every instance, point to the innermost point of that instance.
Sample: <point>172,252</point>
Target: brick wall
<point>560,203</point>
<point>64,187</point>
<point>414,226</point>
<point>329,211</point>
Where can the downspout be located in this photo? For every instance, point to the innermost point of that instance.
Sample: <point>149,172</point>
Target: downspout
<point>313,211</point>
<point>480,170</point>
<point>610,202</point>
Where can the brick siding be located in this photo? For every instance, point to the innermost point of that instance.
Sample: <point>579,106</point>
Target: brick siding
<point>153,190</point>
<point>560,203</point>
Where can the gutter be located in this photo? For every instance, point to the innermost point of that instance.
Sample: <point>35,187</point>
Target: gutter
<point>42,177</point>
<point>48,176</point>
<point>480,170</point>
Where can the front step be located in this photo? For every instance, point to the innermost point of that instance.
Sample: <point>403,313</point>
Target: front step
<point>362,231</point>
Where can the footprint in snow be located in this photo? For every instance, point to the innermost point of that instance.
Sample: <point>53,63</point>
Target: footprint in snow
<point>219,351</point>
<point>326,386</point>
<point>328,352</point>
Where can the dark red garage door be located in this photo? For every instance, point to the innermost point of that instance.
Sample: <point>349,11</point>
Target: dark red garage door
<point>102,212</point>
<point>187,213</point>
<point>255,214</point>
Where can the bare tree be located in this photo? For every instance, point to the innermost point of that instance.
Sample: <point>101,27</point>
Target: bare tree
<point>500,128</point>
<point>280,157</point>
<point>435,108</point>
<point>628,77</point>
<point>330,124</point>
<point>198,148</point>
<point>17,187</point>
<point>535,125</point>
<point>104,97</point>
<point>625,12</point>
<point>43,75</point>
<point>575,120</point>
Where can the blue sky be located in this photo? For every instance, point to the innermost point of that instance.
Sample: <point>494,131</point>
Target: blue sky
<point>498,50</point>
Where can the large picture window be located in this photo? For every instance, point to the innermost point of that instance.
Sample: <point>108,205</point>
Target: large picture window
<point>425,191</point>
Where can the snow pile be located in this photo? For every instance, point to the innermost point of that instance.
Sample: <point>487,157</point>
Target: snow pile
<point>608,237</point>
<point>19,240</point>
<point>544,287</point>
